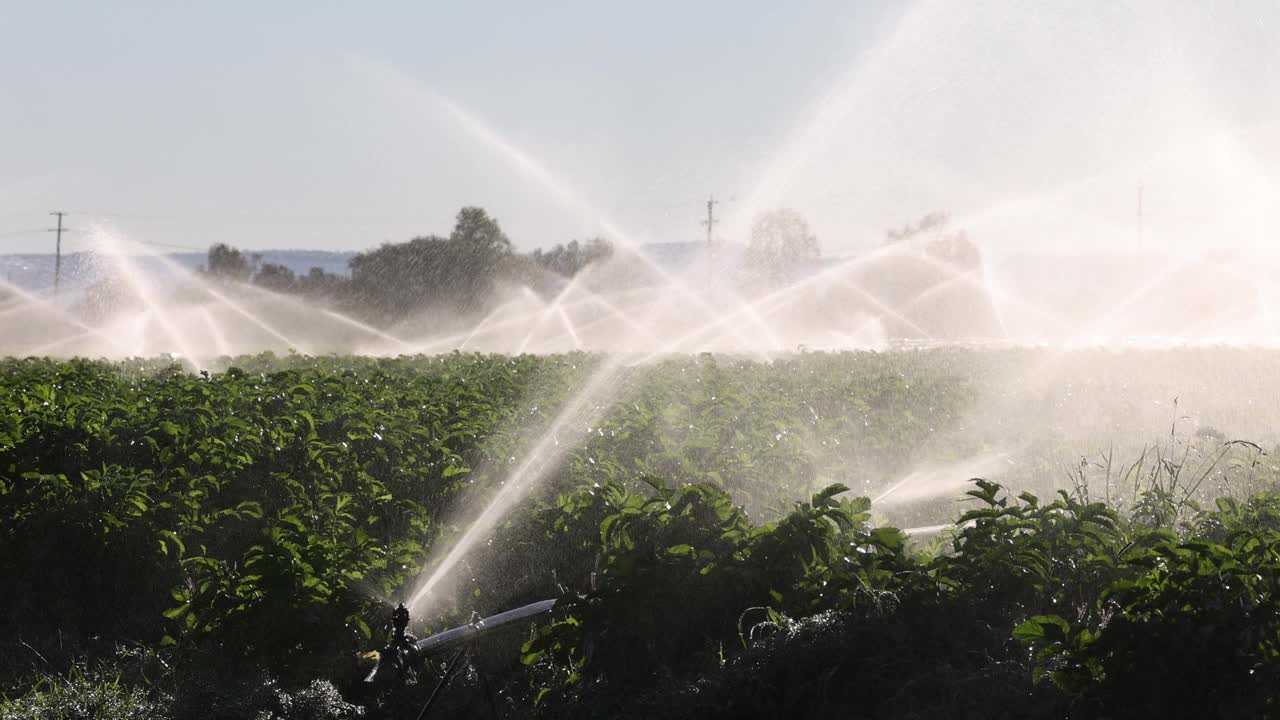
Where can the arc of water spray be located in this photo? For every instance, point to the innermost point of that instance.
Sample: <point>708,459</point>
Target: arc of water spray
<point>825,119</point>
<point>555,186</point>
<point>135,279</point>
<point>484,322</point>
<point>548,453</point>
<point>26,300</point>
<point>368,329</point>
<point>219,339</point>
<point>257,321</point>
<point>616,314</point>
<point>490,322</point>
<point>452,341</point>
<point>583,409</point>
<point>782,295</point>
<point>543,459</point>
<point>330,313</point>
<point>545,456</point>
<point>568,326</point>
<point>970,278</point>
<point>40,350</point>
<point>543,316</point>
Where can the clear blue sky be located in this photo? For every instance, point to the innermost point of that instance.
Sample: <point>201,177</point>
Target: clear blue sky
<point>333,125</point>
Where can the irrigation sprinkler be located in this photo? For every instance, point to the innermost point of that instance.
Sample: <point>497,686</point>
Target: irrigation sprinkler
<point>403,651</point>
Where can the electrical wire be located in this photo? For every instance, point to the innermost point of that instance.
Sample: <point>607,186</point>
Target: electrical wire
<point>14,233</point>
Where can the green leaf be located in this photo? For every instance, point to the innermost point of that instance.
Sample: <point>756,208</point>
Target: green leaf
<point>889,538</point>
<point>172,537</point>
<point>1042,628</point>
<point>176,612</point>
<point>681,550</point>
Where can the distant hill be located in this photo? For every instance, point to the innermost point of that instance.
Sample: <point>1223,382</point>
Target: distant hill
<point>35,272</point>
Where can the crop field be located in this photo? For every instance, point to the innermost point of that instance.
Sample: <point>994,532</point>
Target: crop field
<point>728,537</point>
<point>743,361</point>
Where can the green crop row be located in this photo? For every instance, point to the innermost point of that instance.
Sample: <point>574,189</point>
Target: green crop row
<point>265,516</point>
<point>266,503</point>
<point>1030,609</point>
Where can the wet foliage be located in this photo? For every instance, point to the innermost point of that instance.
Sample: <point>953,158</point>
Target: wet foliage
<point>267,511</point>
<point>1037,609</point>
<point>201,545</point>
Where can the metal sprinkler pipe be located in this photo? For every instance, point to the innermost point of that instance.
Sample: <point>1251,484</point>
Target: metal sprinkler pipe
<point>403,652</point>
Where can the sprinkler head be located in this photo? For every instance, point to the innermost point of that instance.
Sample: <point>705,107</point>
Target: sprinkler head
<point>399,621</point>
<point>400,654</point>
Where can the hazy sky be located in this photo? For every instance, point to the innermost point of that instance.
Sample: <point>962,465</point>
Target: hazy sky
<point>343,125</point>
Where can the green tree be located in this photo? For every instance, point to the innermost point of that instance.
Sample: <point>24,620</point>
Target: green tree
<point>106,296</point>
<point>275,277</point>
<point>318,283</point>
<point>456,273</point>
<point>228,263</point>
<point>939,239</point>
<point>781,243</point>
<point>480,234</point>
<point>571,259</point>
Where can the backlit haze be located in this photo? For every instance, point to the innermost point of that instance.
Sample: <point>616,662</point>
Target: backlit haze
<point>1114,169</point>
<point>341,127</point>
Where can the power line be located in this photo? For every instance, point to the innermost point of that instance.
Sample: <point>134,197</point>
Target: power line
<point>65,229</point>
<point>15,233</point>
<point>171,246</point>
<point>238,218</point>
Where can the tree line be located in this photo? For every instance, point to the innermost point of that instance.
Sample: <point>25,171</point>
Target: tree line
<point>459,272</point>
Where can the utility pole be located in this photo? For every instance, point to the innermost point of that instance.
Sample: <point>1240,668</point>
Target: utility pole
<point>57,258</point>
<point>710,222</point>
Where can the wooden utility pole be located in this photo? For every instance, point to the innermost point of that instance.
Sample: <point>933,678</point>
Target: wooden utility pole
<point>710,222</point>
<point>57,258</point>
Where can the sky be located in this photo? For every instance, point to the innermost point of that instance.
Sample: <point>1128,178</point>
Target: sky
<point>340,126</point>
